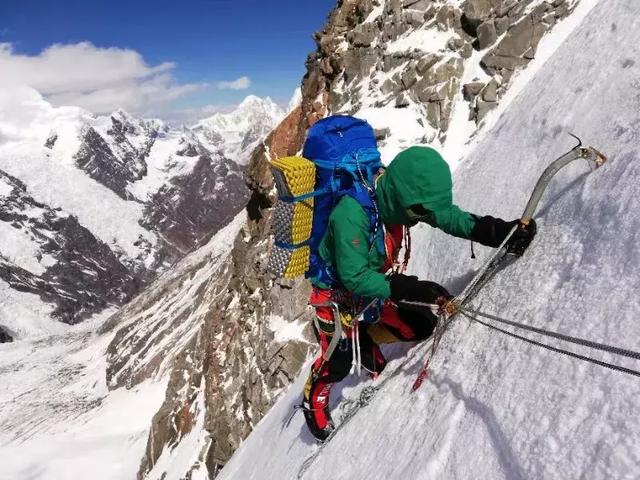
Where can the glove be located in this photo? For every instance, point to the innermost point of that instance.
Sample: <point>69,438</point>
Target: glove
<point>405,287</point>
<point>522,237</point>
<point>491,231</point>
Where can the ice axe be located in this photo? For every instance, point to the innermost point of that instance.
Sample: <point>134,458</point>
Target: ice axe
<point>590,154</point>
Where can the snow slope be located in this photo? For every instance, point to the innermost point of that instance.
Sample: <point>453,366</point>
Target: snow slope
<point>58,419</point>
<point>495,407</point>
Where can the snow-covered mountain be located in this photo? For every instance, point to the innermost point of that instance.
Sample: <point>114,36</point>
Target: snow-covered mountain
<point>236,134</point>
<point>92,208</point>
<point>59,419</point>
<point>224,341</point>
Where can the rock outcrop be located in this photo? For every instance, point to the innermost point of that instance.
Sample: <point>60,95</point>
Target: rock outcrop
<point>412,54</point>
<point>4,336</point>
<point>520,26</point>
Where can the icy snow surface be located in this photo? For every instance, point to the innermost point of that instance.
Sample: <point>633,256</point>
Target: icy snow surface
<point>495,407</point>
<point>57,419</point>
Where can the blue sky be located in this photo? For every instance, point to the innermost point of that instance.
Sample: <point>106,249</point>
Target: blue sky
<point>209,41</point>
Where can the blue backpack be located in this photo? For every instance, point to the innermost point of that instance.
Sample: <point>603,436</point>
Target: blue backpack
<point>345,154</point>
<point>340,158</point>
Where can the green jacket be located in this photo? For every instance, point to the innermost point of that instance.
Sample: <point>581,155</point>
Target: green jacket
<point>418,175</point>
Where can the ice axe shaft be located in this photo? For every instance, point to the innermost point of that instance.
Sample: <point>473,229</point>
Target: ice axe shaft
<point>579,152</point>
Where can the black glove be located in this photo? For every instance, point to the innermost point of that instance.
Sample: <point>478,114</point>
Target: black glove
<point>522,237</point>
<point>491,231</point>
<point>404,287</point>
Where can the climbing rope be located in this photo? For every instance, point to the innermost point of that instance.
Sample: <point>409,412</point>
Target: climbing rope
<point>443,323</point>
<point>567,338</point>
<point>611,366</point>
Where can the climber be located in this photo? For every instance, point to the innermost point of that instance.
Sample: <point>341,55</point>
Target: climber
<point>415,187</point>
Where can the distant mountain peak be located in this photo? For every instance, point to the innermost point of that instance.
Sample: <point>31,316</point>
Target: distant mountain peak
<point>242,129</point>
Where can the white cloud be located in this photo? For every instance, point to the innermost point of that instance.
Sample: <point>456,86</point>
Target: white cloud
<point>98,79</point>
<point>241,83</point>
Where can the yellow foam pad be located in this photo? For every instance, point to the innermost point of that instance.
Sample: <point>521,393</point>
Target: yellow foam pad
<point>292,223</point>
<point>299,174</point>
<point>298,263</point>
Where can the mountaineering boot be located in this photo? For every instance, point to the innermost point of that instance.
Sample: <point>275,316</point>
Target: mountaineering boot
<point>315,406</point>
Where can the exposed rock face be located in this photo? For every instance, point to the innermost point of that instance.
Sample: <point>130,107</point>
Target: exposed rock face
<point>191,208</point>
<point>523,24</point>
<point>379,53</point>
<point>407,54</point>
<point>398,54</point>
<point>117,163</point>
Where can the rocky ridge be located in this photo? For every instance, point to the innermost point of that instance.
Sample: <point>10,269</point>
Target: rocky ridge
<point>414,54</point>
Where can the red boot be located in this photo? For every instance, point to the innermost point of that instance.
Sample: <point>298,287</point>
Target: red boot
<point>315,406</point>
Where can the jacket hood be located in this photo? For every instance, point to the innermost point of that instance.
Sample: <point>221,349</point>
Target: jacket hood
<point>418,175</point>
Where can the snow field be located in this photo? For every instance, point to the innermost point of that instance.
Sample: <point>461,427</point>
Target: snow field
<point>58,419</point>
